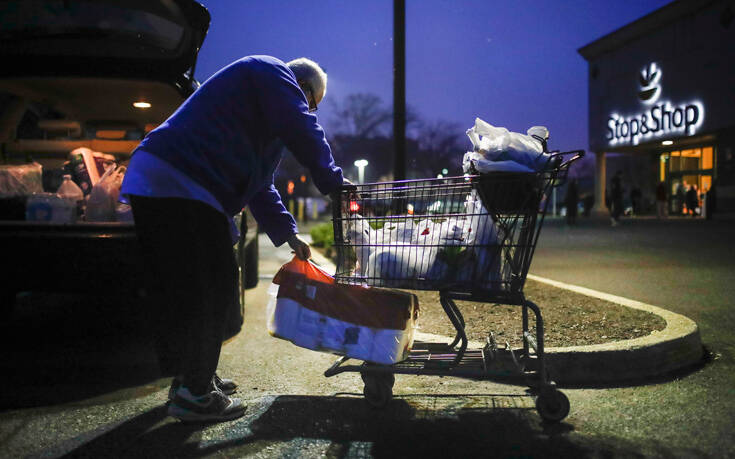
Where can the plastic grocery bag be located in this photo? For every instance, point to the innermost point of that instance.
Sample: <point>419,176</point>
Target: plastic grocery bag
<point>498,144</point>
<point>309,309</point>
<point>103,197</point>
<point>20,179</point>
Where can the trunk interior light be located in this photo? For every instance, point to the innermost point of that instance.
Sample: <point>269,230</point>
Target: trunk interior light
<point>141,104</point>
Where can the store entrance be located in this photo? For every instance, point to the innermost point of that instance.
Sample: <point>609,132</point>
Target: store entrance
<point>688,176</point>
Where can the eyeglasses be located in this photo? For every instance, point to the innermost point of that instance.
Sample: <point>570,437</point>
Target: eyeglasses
<point>312,103</point>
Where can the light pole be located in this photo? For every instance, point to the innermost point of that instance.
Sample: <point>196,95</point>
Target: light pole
<point>361,164</point>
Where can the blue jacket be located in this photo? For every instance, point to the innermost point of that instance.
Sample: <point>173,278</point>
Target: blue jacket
<point>224,137</point>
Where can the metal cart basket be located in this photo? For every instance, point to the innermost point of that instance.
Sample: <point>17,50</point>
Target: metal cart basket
<point>471,238</point>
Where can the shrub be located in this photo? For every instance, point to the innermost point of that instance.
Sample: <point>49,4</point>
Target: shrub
<point>323,236</point>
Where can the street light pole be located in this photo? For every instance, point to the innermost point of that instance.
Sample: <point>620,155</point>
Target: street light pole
<point>361,164</point>
<point>399,89</point>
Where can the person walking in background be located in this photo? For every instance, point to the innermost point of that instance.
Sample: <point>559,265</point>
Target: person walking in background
<point>680,198</point>
<point>635,200</point>
<point>661,199</point>
<point>571,201</point>
<point>692,200</point>
<point>616,198</point>
<point>216,154</point>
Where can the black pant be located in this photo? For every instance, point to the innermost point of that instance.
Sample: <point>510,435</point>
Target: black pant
<point>191,279</point>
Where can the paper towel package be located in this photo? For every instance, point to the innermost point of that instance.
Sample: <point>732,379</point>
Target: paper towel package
<point>366,323</point>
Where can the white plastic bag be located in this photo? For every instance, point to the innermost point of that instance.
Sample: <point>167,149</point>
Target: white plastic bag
<point>475,162</point>
<point>483,239</point>
<point>498,144</point>
<point>103,197</point>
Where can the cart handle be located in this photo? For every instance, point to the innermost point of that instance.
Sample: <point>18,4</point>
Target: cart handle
<point>350,187</point>
<point>577,155</point>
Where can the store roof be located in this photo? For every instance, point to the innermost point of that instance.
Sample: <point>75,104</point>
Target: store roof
<point>657,19</point>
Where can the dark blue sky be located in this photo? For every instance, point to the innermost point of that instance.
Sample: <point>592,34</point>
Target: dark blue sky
<point>512,63</point>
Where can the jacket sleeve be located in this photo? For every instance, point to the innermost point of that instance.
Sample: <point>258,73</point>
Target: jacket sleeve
<point>270,213</point>
<point>286,111</point>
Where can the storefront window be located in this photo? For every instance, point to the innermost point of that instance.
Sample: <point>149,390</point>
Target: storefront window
<point>705,183</point>
<point>707,159</point>
<point>674,162</point>
<point>690,159</point>
<point>683,169</point>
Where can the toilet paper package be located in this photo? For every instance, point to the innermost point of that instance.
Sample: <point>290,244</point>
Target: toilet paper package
<point>309,309</point>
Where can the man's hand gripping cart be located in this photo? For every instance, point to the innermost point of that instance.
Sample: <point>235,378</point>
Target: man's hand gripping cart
<point>470,238</point>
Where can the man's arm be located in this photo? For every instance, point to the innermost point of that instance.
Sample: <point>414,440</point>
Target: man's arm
<point>286,110</point>
<point>270,213</point>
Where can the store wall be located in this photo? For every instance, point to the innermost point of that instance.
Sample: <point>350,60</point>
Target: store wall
<point>695,58</point>
<point>725,183</point>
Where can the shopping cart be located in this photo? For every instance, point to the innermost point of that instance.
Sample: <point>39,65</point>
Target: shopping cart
<point>470,238</point>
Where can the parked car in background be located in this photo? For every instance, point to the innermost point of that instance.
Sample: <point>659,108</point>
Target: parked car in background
<point>98,75</point>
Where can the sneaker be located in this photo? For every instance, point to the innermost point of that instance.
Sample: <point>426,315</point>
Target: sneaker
<point>211,407</point>
<point>226,386</point>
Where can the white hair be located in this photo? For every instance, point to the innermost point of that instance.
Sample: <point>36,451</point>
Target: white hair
<point>309,72</point>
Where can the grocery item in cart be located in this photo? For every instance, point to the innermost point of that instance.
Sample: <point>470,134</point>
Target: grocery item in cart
<point>387,254</point>
<point>440,250</point>
<point>498,149</point>
<point>309,309</point>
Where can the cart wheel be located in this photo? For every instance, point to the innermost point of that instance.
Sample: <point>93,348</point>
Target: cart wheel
<point>552,405</point>
<point>378,388</point>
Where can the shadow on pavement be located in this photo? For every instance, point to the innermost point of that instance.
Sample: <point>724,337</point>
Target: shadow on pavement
<point>59,348</point>
<point>485,425</point>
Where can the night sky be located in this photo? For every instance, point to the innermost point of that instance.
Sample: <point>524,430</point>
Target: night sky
<point>512,63</point>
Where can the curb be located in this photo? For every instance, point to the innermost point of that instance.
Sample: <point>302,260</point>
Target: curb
<point>676,347</point>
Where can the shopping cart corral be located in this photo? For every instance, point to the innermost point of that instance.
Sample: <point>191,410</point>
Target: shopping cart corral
<point>470,238</point>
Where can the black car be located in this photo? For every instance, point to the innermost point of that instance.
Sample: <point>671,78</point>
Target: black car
<point>71,73</point>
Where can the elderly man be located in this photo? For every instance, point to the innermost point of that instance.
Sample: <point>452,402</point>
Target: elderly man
<point>216,154</point>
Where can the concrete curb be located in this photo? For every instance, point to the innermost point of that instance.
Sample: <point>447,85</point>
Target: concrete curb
<point>675,347</point>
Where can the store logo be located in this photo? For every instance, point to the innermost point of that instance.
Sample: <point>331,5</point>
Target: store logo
<point>662,119</point>
<point>649,79</point>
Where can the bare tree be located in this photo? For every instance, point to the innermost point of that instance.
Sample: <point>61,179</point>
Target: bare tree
<point>440,147</point>
<point>361,115</point>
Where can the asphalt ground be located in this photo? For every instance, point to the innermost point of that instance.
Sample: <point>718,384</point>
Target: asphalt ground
<point>100,396</point>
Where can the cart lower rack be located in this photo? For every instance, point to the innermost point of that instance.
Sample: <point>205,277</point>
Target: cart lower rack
<point>470,238</point>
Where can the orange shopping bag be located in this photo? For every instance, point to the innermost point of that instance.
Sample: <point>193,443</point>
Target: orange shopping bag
<point>306,268</point>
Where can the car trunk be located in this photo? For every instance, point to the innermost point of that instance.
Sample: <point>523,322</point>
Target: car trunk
<point>72,71</point>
